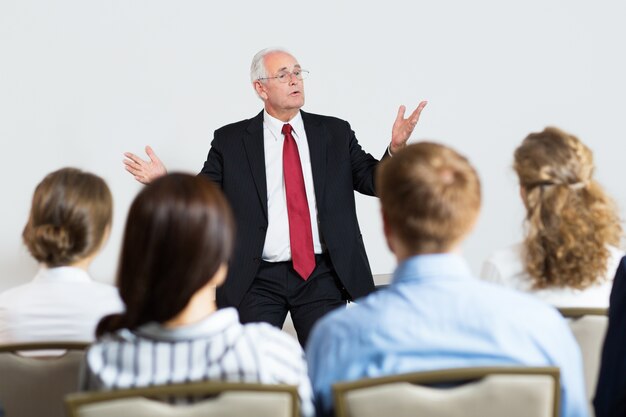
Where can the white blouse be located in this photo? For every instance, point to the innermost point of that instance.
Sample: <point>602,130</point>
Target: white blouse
<point>506,267</point>
<point>59,304</point>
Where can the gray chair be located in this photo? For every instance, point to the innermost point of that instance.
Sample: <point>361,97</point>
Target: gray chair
<point>589,328</point>
<point>34,386</point>
<point>466,392</point>
<point>202,399</point>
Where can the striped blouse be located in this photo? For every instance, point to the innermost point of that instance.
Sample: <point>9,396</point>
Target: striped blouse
<point>217,348</point>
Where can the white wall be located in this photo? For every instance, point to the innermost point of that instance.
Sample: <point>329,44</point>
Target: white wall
<point>82,81</point>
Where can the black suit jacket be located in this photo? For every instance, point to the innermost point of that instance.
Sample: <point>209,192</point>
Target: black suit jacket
<point>610,398</point>
<point>236,162</point>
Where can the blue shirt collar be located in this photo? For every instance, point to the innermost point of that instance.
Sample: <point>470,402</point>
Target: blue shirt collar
<point>436,266</point>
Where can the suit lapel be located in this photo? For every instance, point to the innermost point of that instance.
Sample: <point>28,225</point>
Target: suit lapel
<point>255,152</point>
<point>318,137</point>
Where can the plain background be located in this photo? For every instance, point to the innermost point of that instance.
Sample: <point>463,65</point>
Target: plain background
<point>82,81</point>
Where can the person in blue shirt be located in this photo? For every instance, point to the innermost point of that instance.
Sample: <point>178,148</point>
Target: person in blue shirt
<point>435,314</point>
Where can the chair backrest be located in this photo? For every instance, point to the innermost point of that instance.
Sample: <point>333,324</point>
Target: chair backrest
<point>36,385</point>
<point>206,399</point>
<point>466,392</point>
<point>289,328</point>
<point>589,328</point>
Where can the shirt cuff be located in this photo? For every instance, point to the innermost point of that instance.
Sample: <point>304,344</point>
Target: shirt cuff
<point>389,150</point>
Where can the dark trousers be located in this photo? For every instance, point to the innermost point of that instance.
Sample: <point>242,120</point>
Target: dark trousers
<point>278,289</point>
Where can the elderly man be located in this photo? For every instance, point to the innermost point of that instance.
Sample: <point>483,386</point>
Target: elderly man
<point>435,314</point>
<point>290,178</point>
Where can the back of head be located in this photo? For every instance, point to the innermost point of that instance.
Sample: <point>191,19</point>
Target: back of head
<point>430,197</point>
<point>69,218</point>
<point>570,220</point>
<point>178,233</point>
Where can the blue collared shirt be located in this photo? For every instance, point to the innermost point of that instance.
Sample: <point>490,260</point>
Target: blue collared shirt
<point>436,315</point>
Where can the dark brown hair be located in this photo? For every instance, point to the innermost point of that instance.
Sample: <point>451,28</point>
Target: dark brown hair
<point>430,196</point>
<point>178,233</point>
<point>569,218</point>
<point>70,214</point>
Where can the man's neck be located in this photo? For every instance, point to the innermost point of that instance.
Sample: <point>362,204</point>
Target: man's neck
<point>283,116</point>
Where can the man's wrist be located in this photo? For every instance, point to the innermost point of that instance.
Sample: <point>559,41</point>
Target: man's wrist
<point>389,149</point>
<point>393,151</point>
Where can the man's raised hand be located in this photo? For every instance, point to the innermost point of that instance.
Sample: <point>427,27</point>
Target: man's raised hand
<point>402,128</point>
<point>144,171</point>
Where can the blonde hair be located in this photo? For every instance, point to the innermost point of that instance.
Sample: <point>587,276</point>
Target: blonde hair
<point>569,220</point>
<point>430,196</point>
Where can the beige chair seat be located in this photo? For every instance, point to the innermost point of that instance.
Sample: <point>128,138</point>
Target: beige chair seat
<point>210,399</point>
<point>34,386</point>
<point>589,327</point>
<point>491,392</point>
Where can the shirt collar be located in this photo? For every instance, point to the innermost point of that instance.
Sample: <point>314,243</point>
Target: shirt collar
<point>440,266</point>
<point>276,126</point>
<point>62,274</point>
<point>214,323</point>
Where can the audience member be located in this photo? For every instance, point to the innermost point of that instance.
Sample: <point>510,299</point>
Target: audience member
<point>610,399</point>
<point>435,314</point>
<point>569,254</point>
<point>69,222</point>
<point>178,239</point>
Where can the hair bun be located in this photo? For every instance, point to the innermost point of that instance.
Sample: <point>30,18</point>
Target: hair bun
<point>51,244</point>
<point>69,217</point>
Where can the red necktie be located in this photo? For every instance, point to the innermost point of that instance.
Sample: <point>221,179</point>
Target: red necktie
<point>300,235</point>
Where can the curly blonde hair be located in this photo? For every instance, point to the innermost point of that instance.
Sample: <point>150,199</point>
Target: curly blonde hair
<point>569,220</point>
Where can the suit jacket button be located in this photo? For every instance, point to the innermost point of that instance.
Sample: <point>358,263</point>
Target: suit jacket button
<point>256,260</point>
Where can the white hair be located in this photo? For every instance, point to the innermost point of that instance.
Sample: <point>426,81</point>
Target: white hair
<point>257,68</point>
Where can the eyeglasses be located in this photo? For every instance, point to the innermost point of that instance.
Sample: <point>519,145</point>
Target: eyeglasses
<point>285,76</point>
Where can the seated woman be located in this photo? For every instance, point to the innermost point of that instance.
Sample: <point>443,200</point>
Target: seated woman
<point>178,239</point>
<point>69,222</point>
<point>569,255</point>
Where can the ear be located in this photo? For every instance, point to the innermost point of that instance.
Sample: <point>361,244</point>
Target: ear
<point>259,87</point>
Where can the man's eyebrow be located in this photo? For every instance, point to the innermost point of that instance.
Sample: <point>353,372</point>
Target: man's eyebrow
<point>285,68</point>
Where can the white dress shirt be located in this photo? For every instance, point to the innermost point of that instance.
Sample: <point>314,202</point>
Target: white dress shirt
<point>277,247</point>
<point>506,266</point>
<point>59,304</point>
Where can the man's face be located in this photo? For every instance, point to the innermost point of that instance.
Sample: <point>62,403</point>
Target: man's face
<point>282,99</point>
